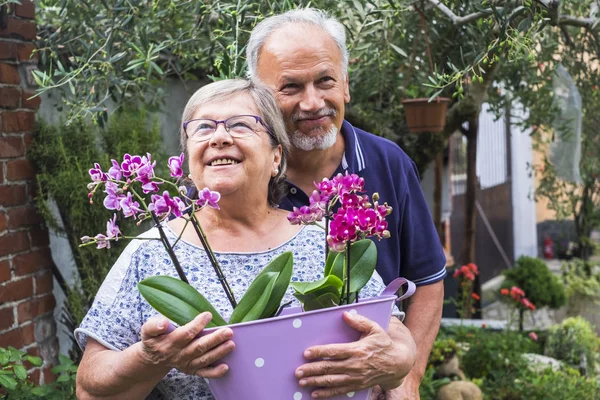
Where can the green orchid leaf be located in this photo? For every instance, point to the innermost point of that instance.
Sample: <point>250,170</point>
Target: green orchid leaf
<point>252,305</point>
<point>331,256</point>
<point>304,297</point>
<point>363,259</point>
<point>284,265</point>
<point>337,268</point>
<point>177,300</point>
<point>307,287</point>
<point>324,301</point>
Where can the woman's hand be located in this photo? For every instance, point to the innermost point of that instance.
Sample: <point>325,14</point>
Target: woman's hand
<point>183,350</point>
<point>373,360</point>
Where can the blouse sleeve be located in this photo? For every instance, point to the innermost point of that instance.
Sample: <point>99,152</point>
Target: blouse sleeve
<point>115,318</point>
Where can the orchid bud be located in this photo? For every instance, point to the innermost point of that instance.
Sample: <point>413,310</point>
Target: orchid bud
<point>91,186</point>
<point>367,205</point>
<point>375,196</point>
<point>389,209</point>
<point>182,190</point>
<point>85,239</point>
<point>386,234</point>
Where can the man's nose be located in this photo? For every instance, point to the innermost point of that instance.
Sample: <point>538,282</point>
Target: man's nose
<point>312,99</point>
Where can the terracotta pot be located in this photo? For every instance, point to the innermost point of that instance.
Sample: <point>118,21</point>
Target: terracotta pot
<point>424,116</point>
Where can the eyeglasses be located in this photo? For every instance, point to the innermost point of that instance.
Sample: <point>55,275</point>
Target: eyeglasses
<point>238,126</point>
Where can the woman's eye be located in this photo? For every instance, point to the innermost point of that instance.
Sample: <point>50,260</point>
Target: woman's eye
<point>240,125</point>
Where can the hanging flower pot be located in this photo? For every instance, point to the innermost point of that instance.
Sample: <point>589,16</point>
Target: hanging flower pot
<point>268,351</point>
<point>425,116</point>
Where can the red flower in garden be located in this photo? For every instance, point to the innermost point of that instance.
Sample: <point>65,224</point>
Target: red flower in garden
<point>504,292</point>
<point>468,271</point>
<point>533,336</point>
<point>475,296</point>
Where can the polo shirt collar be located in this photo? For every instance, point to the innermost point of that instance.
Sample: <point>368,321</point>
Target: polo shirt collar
<point>353,159</point>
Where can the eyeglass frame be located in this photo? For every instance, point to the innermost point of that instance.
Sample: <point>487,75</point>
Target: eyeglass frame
<point>224,122</point>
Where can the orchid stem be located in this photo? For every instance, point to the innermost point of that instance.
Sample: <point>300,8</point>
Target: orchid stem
<point>348,273</point>
<point>169,248</point>
<point>212,258</point>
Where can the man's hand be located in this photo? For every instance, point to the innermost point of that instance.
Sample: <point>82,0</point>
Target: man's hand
<point>409,390</point>
<point>373,360</point>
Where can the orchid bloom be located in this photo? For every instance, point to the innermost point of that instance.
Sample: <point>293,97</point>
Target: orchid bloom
<point>175,164</point>
<point>206,197</point>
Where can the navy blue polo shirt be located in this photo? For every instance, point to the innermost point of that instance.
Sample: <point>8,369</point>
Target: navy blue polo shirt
<point>413,251</point>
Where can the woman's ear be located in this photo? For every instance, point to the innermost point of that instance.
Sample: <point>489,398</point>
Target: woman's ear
<point>277,157</point>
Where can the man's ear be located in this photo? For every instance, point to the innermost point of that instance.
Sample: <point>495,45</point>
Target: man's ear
<point>346,89</point>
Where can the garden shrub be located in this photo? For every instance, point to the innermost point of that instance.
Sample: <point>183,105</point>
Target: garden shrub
<point>62,156</point>
<point>16,386</point>
<point>571,341</point>
<point>563,384</point>
<point>581,278</point>
<point>540,285</point>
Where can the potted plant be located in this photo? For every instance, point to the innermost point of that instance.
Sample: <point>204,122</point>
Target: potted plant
<point>258,368</point>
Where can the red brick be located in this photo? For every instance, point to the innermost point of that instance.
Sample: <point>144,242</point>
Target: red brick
<point>28,334</point>
<point>23,216</point>
<point>34,376</point>
<point>18,121</point>
<point>2,219</point>
<point>25,10</point>
<point>10,97</point>
<point>19,170</point>
<point>27,101</point>
<point>39,237</point>
<point>8,50</point>
<point>44,283</point>
<point>25,52</point>
<point>25,264</point>
<point>12,195</point>
<point>49,376</point>
<point>9,74</point>
<point>12,338</point>
<point>31,309</point>
<point>18,28</point>
<point>13,242</point>
<point>4,271</point>
<point>16,290</point>
<point>7,318</point>
<point>11,147</point>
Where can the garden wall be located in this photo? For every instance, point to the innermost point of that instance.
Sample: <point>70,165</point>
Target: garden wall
<point>26,281</point>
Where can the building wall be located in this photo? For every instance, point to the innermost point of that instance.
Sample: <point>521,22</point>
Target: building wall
<point>26,300</point>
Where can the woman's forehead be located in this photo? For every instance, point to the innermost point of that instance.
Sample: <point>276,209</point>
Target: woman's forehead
<point>220,109</point>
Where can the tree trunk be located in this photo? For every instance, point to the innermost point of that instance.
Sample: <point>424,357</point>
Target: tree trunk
<point>468,255</point>
<point>437,195</point>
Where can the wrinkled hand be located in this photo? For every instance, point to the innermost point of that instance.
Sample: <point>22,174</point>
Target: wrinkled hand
<point>183,350</point>
<point>373,360</point>
<point>409,390</point>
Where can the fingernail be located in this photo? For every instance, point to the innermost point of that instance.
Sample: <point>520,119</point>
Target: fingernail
<point>299,374</point>
<point>307,353</point>
<point>302,382</point>
<point>160,325</point>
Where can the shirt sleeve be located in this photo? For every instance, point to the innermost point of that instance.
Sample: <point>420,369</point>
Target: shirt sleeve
<point>115,318</point>
<point>422,256</point>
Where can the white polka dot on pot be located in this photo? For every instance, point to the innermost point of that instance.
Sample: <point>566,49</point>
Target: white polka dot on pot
<point>353,312</point>
<point>297,323</point>
<point>350,394</point>
<point>297,396</point>
<point>259,362</point>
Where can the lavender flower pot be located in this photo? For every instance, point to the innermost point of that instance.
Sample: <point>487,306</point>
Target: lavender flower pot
<point>267,352</point>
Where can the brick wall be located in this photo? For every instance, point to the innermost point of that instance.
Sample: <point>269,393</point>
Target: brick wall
<point>26,300</point>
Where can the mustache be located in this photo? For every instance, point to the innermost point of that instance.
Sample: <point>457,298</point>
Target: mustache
<point>323,112</point>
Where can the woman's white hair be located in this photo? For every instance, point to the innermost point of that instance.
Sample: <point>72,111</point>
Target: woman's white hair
<point>304,16</point>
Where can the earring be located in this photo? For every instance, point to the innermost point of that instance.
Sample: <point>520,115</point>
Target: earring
<point>190,176</point>
<point>275,172</point>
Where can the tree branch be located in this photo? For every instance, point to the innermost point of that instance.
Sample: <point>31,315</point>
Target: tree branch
<point>552,5</point>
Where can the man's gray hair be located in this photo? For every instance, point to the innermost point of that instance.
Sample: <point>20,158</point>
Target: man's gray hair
<point>304,16</point>
<point>268,110</point>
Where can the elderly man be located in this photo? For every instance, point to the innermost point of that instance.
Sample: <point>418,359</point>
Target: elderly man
<point>301,55</point>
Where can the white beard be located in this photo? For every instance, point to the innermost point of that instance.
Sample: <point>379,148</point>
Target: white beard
<point>320,142</point>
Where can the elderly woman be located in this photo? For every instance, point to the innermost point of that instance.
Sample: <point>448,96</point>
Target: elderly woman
<point>235,141</point>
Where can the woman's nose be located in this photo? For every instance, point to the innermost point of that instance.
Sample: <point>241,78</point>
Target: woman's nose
<point>220,137</point>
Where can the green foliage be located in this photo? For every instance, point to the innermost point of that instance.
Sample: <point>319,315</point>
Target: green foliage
<point>443,350</point>
<point>429,386</point>
<point>541,287</point>
<point>581,279</point>
<point>14,380</point>
<point>63,155</point>
<point>572,341</point>
<point>564,384</point>
<point>331,289</point>
<point>496,355</point>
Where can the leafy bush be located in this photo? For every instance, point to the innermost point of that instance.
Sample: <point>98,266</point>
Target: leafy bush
<point>564,384</point>
<point>571,341</point>
<point>581,278</point>
<point>13,377</point>
<point>443,349</point>
<point>541,287</point>
<point>495,355</point>
<point>63,155</point>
